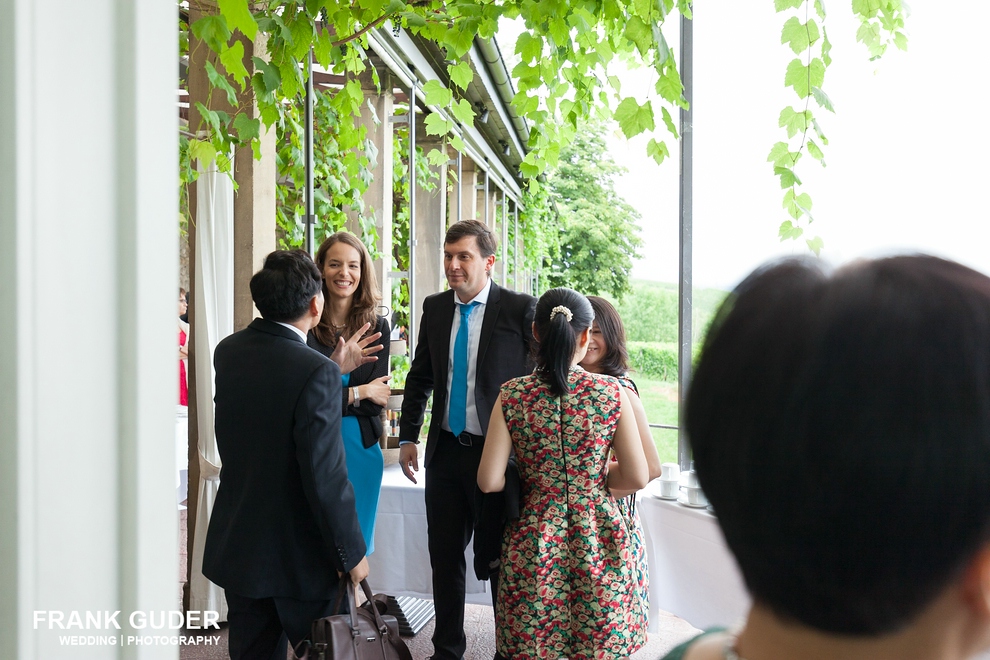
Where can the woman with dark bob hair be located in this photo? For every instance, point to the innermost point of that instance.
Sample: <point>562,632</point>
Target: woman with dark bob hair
<point>567,587</point>
<point>841,429</point>
<point>352,297</point>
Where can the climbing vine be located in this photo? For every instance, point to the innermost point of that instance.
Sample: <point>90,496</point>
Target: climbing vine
<point>881,23</point>
<point>343,158</point>
<point>567,57</point>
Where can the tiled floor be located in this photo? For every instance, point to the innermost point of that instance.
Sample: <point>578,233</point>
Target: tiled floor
<point>479,624</point>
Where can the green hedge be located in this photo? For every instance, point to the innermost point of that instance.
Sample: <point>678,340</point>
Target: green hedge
<point>655,359</point>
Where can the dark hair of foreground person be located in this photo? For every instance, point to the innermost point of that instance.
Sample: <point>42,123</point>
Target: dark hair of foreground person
<point>840,425</point>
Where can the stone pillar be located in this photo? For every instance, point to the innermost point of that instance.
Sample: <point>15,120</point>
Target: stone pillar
<point>469,194</point>
<point>88,230</point>
<point>254,199</point>
<point>378,196</point>
<point>488,213</point>
<point>431,214</point>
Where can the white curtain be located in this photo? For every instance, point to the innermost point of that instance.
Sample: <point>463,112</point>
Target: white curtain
<point>213,320</point>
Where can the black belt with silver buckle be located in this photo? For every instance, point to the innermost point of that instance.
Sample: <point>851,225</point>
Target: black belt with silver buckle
<point>466,439</point>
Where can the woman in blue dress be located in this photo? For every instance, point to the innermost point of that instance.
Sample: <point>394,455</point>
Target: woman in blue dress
<point>352,297</point>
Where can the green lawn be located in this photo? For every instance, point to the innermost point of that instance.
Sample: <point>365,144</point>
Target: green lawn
<point>660,400</point>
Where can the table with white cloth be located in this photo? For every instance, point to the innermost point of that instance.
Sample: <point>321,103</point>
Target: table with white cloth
<point>692,573</point>
<point>400,564</point>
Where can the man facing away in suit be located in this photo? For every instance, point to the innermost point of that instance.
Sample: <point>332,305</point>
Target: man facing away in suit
<point>283,526</point>
<point>472,339</point>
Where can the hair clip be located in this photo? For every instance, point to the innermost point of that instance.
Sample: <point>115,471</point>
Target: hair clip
<point>560,309</point>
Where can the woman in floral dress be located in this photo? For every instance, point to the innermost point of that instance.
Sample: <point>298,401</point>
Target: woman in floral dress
<point>568,582</point>
<point>607,355</point>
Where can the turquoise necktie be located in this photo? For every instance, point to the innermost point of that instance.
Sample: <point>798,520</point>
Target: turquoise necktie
<point>457,414</point>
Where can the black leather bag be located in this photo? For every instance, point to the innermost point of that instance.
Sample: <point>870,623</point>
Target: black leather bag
<point>366,633</point>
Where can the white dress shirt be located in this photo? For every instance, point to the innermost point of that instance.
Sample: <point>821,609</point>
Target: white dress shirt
<point>294,329</point>
<point>471,422</point>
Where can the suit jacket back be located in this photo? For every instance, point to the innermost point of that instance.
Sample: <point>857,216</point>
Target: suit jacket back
<point>284,520</point>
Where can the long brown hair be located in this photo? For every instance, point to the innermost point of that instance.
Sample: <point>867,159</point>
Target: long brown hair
<point>366,299</point>
<point>615,361</point>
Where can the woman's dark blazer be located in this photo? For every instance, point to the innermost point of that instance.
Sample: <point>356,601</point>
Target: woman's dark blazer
<point>369,414</point>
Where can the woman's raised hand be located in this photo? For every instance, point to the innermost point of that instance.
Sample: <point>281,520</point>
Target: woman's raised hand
<point>354,352</point>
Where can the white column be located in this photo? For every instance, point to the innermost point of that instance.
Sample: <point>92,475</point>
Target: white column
<point>88,334</point>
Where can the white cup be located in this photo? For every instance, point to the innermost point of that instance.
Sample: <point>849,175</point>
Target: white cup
<point>689,479</point>
<point>668,488</point>
<point>670,472</point>
<point>695,496</point>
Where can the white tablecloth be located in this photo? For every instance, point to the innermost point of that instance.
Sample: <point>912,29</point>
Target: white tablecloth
<point>692,573</point>
<point>400,565</point>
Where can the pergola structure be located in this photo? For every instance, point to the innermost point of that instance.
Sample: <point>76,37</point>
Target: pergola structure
<point>487,187</point>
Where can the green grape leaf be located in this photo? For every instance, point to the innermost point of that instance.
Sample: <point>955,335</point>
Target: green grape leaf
<point>816,245</point>
<point>815,152</point>
<point>669,87</point>
<point>220,82</point>
<point>436,157</point>
<point>458,143</point>
<point>866,8</point>
<point>642,8</point>
<point>799,35</point>
<point>463,112</point>
<point>780,155</point>
<point>657,150</point>
<point>233,60</point>
<point>795,122</point>
<point>436,94</point>
<point>669,122</point>
<point>640,34</point>
<point>211,117</point>
<point>794,34</point>
<point>413,19</point>
<point>270,77</point>
<point>788,178</point>
<point>797,205</point>
<point>202,150</point>
<point>239,17</point>
<point>461,74</point>
<point>321,49</point>
<point>437,125</point>
<point>247,128</point>
<point>818,132</point>
<point>213,31</point>
<point>802,78</point>
<point>529,47</point>
<point>782,5</point>
<point>634,118</point>
<point>822,99</point>
<point>900,40</point>
<point>789,231</point>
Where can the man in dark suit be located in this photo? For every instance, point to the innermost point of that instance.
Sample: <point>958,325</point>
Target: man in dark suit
<point>472,339</point>
<point>284,525</point>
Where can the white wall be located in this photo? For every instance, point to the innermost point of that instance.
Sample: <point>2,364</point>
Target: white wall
<point>88,284</point>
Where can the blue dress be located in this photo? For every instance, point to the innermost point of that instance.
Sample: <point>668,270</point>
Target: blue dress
<point>364,469</point>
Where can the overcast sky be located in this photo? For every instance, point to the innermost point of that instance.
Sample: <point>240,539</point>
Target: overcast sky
<point>907,159</point>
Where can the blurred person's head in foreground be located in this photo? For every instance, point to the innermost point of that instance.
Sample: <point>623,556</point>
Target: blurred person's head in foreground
<point>840,424</point>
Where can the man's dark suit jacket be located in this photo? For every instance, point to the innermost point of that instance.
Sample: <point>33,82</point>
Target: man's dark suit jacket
<point>284,520</point>
<point>503,354</point>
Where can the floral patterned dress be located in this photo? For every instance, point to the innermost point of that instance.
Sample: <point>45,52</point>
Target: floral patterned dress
<point>568,583</point>
<point>627,505</point>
